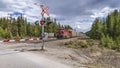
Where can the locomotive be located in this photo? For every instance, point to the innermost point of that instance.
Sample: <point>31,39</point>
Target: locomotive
<point>66,33</point>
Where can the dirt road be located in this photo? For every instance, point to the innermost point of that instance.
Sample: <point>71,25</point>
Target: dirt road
<point>56,55</point>
<point>16,59</point>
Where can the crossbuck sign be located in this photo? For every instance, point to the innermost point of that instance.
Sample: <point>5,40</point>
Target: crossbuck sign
<point>44,10</point>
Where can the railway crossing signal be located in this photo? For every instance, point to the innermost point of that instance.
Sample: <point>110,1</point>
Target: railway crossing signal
<point>43,22</point>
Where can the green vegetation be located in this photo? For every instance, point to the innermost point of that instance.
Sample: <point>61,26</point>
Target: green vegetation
<point>107,31</point>
<point>20,28</point>
<point>77,44</point>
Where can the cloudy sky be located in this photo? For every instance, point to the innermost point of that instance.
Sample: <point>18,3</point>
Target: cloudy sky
<point>79,14</point>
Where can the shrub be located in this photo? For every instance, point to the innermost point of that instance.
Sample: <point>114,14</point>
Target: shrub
<point>69,43</point>
<point>83,45</point>
<point>76,44</point>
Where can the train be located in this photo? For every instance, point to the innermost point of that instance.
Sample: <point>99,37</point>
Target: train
<point>67,33</point>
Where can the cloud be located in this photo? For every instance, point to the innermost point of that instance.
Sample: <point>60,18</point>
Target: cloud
<point>18,7</point>
<point>83,26</point>
<point>79,14</point>
<point>82,12</point>
<point>102,13</point>
<point>3,14</point>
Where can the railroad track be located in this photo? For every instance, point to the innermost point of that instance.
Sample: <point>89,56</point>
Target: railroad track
<point>53,39</point>
<point>34,40</point>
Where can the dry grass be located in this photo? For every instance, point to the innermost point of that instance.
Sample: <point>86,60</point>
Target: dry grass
<point>101,57</point>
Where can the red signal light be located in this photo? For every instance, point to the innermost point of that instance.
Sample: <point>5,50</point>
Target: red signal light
<point>42,22</point>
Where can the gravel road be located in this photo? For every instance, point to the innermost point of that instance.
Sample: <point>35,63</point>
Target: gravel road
<point>16,59</point>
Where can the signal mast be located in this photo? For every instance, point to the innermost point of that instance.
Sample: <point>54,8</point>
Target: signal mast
<point>43,22</point>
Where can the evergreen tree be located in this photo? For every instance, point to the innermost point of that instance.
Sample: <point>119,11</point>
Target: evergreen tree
<point>96,30</point>
<point>107,31</point>
<point>2,32</point>
<point>20,28</point>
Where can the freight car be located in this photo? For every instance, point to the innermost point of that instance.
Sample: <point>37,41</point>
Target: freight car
<point>66,33</point>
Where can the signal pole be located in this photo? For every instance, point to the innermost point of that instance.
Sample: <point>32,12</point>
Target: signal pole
<point>42,47</point>
<point>44,11</point>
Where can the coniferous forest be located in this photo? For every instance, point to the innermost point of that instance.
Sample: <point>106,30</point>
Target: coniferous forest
<point>107,30</point>
<point>12,28</point>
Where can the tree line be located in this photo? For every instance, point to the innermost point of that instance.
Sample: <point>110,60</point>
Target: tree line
<point>20,28</point>
<point>107,30</point>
